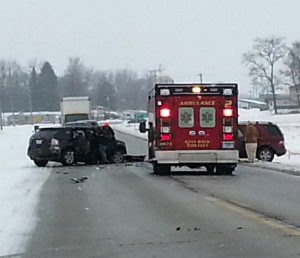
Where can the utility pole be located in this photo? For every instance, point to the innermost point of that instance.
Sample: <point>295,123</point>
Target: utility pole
<point>1,87</point>
<point>30,101</point>
<point>154,75</point>
<point>200,75</point>
<point>1,120</point>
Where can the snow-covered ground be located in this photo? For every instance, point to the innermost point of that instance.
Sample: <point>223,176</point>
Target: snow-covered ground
<point>289,125</point>
<point>21,182</point>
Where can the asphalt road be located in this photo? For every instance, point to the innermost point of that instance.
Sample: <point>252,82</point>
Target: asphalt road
<point>126,211</point>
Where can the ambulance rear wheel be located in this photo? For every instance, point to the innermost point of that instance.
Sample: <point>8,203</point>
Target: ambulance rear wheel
<point>225,169</point>
<point>161,169</point>
<point>210,169</point>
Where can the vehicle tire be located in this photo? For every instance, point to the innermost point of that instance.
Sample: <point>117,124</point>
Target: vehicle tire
<point>118,156</point>
<point>265,154</point>
<point>225,169</point>
<point>210,169</point>
<point>161,169</point>
<point>40,162</point>
<point>68,157</point>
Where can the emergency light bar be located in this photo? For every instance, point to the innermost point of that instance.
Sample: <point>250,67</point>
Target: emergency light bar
<point>164,92</point>
<point>196,89</point>
<point>227,92</point>
<point>202,89</point>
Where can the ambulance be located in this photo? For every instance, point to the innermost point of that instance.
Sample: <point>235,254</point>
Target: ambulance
<point>193,125</point>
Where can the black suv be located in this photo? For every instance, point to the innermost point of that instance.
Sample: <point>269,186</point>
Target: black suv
<point>70,145</point>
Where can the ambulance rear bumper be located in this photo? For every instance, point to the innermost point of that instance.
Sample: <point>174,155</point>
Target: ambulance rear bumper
<point>197,157</point>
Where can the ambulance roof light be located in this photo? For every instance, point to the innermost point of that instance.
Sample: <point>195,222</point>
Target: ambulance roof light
<point>196,89</point>
<point>164,92</point>
<point>227,92</point>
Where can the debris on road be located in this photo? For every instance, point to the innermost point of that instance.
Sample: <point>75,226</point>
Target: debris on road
<point>134,158</point>
<point>79,179</point>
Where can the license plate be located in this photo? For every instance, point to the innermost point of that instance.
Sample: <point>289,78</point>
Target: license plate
<point>38,141</point>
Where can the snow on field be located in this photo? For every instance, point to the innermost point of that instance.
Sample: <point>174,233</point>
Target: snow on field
<point>21,182</point>
<point>289,125</point>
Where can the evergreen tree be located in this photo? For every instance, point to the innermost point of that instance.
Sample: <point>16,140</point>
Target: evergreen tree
<point>47,84</point>
<point>34,91</point>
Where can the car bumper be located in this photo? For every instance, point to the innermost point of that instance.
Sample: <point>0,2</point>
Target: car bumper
<point>52,154</point>
<point>197,157</point>
<point>281,152</point>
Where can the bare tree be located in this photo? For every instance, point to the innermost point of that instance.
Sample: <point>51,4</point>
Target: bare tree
<point>74,81</point>
<point>292,71</point>
<point>263,62</point>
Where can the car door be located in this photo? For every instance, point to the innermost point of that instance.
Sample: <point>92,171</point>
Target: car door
<point>80,142</point>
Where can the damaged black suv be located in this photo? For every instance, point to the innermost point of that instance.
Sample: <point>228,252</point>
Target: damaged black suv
<point>70,145</point>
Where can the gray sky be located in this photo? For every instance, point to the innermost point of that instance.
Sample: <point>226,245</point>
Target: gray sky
<point>186,37</point>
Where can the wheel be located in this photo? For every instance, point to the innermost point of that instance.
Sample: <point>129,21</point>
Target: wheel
<point>265,154</point>
<point>68,157</point>
<point>40,162</point>
<point>161,169</point>
<point>118,156</point>
<point>225,169</point>
<point>210,169</point>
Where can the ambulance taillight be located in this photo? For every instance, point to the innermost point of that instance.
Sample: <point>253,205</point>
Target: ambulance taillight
<point>227,112</point>
<point>228,139</point>
<point>165,112</point>
<point>165,124</point>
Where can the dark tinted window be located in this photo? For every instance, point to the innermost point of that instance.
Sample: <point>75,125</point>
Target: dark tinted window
<point>45,133</point>
<point>63,134</point>
<point>242,128</point>
<point>272,130</point>
<point>76,117</point>
<point>50,133</point>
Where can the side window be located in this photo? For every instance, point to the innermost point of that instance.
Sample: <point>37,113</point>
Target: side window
<point>242,129</point>
<point>63,134</point>
<point>207,117</point>
<point>186,117</point>
<point>273,130</point>
<point>241,132</point>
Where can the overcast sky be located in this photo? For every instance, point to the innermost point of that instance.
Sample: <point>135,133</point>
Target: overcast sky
<point>186,37</point>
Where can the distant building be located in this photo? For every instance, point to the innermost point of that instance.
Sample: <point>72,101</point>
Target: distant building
<point>251,103</point>
<point>295,94</point>
<point>283,101</point>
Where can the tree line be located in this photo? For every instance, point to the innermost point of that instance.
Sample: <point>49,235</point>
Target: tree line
<point>274,65</point>
<point>40,89</point>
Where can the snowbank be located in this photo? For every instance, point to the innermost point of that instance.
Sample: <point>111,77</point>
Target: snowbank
<point>289,125</point>
<point>21,182</point>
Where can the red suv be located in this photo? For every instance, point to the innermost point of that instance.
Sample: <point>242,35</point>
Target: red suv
<point>270,141</point>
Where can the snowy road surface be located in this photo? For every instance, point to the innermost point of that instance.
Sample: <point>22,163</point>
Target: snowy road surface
<point>126,211</point>
<point>22,183</point>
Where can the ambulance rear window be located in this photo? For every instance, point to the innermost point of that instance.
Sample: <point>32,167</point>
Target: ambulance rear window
<point>207,117</point>
<point>186,117</point>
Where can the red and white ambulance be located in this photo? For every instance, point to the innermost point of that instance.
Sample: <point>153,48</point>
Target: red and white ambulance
<point>194,125</point>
